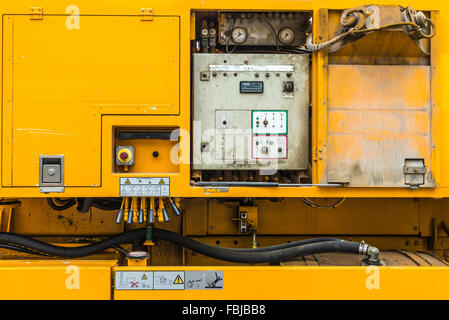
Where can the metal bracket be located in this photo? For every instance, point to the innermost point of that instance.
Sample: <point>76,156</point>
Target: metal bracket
<point>247,219</point>
<point>414,173</point>
<point>146,14</point>
<point>36,13</point>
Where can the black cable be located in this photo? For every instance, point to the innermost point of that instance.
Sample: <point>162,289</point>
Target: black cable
<point>316,205</point>
<point>49,249</point>
<point>257,257</point>
<point>19,249</point>
<point>107,204</point>
<point>276,35</point>
<point>69,203</point>
<point>227,254</point>
<point>284,245</point>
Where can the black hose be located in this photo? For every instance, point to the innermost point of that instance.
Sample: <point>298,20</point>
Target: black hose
<point>68,204</point>
<point>261,255</point>
<point>49,249</point>
<point>257,257</point>
<point>19,249</point>
<point>284,245</point>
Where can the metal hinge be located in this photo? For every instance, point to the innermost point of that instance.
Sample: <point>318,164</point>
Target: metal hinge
<point>146,14</point>
<point>36,13</point>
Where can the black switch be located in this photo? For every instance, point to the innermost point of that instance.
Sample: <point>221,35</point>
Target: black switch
<point>289,86</point>
<point>155,154</point>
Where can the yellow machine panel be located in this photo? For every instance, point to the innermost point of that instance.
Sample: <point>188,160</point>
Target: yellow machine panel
<point>53,72</point>
<point>328,117</point>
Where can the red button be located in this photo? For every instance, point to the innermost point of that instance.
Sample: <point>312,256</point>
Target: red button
<point>123,155</point>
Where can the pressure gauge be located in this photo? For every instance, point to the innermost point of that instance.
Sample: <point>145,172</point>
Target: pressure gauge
<point>286,36</point>
<point>239,35</point>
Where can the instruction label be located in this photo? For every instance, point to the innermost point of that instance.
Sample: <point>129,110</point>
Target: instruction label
<point>168,280</point>
<point>134,280</point>
<point>144,187</point>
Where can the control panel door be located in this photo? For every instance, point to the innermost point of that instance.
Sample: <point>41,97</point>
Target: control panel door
<point>59,79</point>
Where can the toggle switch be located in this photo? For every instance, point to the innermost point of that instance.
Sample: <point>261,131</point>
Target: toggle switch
<point>289,86</point>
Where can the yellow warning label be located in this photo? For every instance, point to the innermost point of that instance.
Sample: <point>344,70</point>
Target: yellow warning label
<point>127,181</point>
<point>178,280</point>
<point>144,277</point>
<point>162,181</point>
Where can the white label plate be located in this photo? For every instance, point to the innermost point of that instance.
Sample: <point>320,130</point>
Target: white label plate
<point>251,67</point>
<point>269,147</point>
<point>144,187</point>
<point>269,122</point>
<point>169,280</point>
<point>134,280</point>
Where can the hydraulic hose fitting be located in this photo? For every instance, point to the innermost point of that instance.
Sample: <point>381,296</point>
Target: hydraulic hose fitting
<point>131,212</point>
<point>120,213</point>
<point>175,207</point>
<point>151,211</point>
<point>162,212</point>
<point>372,255</point>
<point>254,243</point>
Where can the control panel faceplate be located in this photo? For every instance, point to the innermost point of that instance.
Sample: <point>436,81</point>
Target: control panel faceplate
<point>251,111</point>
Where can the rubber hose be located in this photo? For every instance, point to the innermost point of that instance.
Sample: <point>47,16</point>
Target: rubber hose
<point>257,257</point>
<point>227,254</point>
<point>284,245</point>
<point>70,203</point>
<point>115,240</point>
<point>59,251</point>
<point>19,249</point>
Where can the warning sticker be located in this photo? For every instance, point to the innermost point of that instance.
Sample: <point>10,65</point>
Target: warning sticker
<point>134,280</point>
<point>195,280</point>
<point>144,187</point>
<point>168,280</point>
<point>214,280</point>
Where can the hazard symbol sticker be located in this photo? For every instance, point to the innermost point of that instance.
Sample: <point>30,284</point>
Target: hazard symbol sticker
<point>144,187</point>
<point>168,280</point>
<point>134,280</point>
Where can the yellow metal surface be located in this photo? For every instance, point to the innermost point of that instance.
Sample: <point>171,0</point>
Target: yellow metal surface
<point>290,283</point>
<point>94,70</point>
<point>67,279</point>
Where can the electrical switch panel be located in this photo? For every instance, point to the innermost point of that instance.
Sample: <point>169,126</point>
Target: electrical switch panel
<point>251,111</point>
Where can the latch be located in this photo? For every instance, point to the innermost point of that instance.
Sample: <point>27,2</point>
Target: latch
<point>414,173</point>
<point>146,14</point>
<point>51,173</point>
<point>36,13</point>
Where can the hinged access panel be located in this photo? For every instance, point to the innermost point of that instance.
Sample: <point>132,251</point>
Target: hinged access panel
<point>59,79</point>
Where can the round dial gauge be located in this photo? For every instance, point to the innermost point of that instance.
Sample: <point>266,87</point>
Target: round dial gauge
<point>239,35</point>
<point>286,36</point>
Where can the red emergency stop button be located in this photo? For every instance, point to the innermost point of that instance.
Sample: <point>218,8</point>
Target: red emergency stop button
<point>123,155</point>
